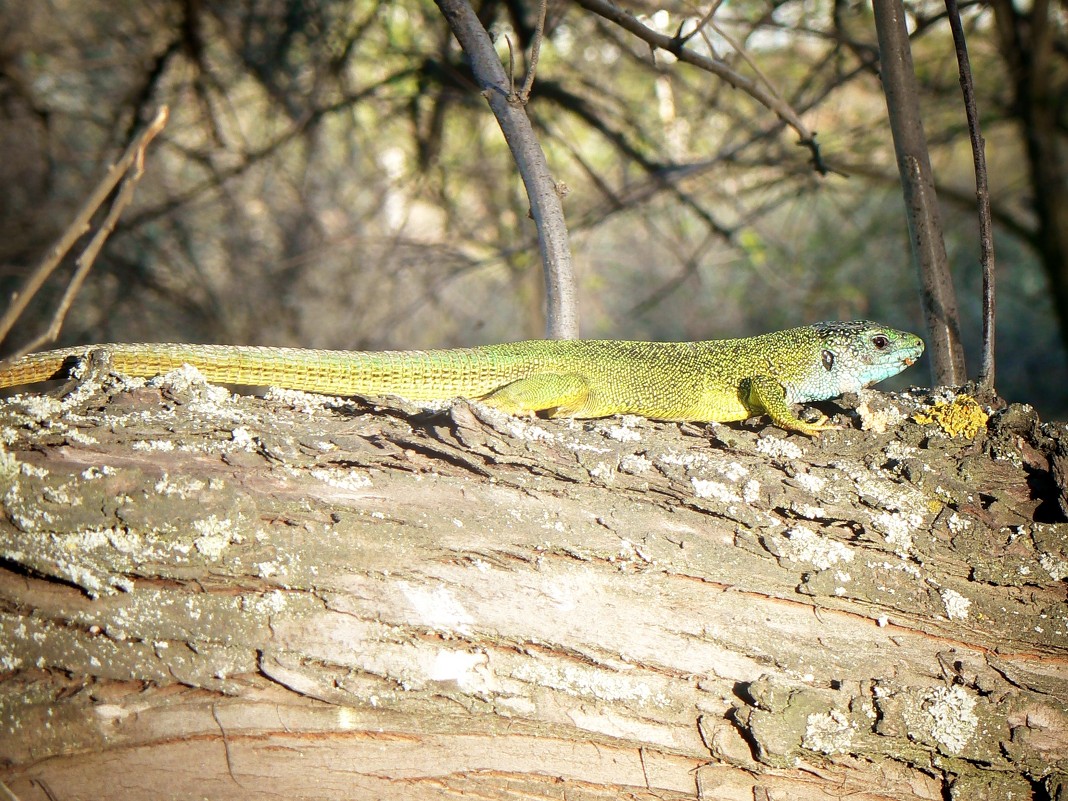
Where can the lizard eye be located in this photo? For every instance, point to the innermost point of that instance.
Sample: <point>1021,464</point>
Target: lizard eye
<point>880,341</point>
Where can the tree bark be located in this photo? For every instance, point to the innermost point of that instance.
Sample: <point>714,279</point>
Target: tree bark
<point>212,596</point>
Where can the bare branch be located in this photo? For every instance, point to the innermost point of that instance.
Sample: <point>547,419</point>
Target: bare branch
<point>92,250</point>
<point>699,28</point>
<point>676,45</point>
<point>133,157</point>
<point>535,53</point>
<point>512,94</point>
<point>545,206</point>
<point>982,195</point>
<point>741,51</point>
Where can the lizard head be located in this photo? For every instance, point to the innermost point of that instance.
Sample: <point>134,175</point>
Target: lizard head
<point>854,355</point>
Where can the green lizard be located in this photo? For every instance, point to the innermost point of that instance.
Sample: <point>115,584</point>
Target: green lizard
<point>719,380</point>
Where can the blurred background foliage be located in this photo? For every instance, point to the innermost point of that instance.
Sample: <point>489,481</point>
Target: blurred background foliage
<point>330,178</point>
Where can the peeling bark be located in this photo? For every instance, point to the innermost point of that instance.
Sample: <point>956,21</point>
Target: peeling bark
<point>213,596</point>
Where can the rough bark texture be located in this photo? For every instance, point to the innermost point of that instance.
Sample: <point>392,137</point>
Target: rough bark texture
<point>210,596</point>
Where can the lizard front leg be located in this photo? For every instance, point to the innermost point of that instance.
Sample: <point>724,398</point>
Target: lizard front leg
<point>762,394</point>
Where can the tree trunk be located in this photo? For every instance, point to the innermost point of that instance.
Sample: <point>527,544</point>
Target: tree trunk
<point>210,596</point>
<point>1028,43</point>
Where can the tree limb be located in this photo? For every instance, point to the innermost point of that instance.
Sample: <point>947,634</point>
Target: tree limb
<point>542,190</point>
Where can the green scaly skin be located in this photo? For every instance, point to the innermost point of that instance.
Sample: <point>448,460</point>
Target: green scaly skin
<point>720,380</point>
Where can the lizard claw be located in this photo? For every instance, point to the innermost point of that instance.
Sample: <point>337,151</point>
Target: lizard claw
<point>809,429</point>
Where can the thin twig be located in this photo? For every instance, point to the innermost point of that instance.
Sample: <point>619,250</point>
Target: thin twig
<point>92,250</point>
<point>134,155</point>
<point>676,46</point>
<point>982,195</point>
<point>511,69</point>
<point>700,25</point>
<point>535,53</point>
<point>741,51</point>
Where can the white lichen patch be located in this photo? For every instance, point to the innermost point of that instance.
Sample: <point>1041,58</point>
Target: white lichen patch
<point>1055,566</point>
<point>518,427</point>
<point>828,732</point>
<point>341,479</point>
<point>180,487</point>
<point>10,468</point>
<point>263,605</point>
<point>902,566</point>
<point>898,527</point>
<point>91,473</point>
<point>958,524</point>
<point>778,448</point>
<point>706,488</point>
<point>39,408</point>
<point>244,440</point>
<point>810,483</point>
<point>878,489</point>
<point>624,432</point>
<point>162,445</point>
<point>807,511</point>
<point>687,459</point>
<point>79,437</point>
<point>580,447</point>
<point>603,471</point>
<point>188,380</point>
<point>898,450</point>
<point>32,470</point>
<point>801,544</point>
<point>10,659</point>
<point>947,715</point>
<point>61,495</point>
<point>874,419</point>
<point>955,604</point>
<point>214,535</point>
<point>68,558</point>
<point>751,491</point>
<point>635,464</point>
<point>266,569</point>
<point>307,403</point>
<point>629,555</point>
<point>732,471</point>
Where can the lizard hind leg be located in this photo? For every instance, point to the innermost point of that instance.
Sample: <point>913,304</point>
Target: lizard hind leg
<point>554,394</point>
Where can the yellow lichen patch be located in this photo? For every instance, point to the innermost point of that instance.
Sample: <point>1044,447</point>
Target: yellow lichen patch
<point>963,417</point>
